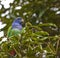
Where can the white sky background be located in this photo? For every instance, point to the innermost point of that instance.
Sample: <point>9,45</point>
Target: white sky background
<point>6,3</point>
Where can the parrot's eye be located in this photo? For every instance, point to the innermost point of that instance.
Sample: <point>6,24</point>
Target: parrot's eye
<point>22,21</point>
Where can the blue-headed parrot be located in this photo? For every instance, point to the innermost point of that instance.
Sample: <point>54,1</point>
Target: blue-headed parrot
<point>16,27</point>
<point>14,30</point>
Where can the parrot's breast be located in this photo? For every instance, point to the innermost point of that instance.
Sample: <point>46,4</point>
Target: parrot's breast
<point>16,26</point>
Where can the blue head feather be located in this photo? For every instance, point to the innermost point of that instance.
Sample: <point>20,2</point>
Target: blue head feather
<point>17,24</point>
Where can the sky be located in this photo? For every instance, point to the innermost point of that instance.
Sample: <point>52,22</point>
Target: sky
<point>2,32</point>
<point>6,3</point>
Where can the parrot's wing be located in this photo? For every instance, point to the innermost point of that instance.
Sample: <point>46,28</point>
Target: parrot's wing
<point>9,31</point>
<point>14,32</point>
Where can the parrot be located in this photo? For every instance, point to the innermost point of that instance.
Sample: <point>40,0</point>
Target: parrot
<point>14,30</point>
<point>16,27</point>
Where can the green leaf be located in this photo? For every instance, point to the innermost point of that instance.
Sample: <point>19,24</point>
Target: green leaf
<point>47,25</point>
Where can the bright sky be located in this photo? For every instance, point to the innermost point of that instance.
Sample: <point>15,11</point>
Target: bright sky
<point>2,32</point>
<point>6,3</point>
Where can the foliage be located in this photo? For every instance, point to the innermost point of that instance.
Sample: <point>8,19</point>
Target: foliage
<point>42,29</point>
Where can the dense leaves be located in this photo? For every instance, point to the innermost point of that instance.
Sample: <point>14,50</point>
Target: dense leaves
<point>41,36</point>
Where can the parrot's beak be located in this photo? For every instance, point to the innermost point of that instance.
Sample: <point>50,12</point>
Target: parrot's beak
<point>22,20</point>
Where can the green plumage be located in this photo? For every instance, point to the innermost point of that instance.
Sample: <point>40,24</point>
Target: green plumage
<point>14,32</point>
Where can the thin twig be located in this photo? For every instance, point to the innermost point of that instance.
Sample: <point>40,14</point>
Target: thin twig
<point>17,52</point>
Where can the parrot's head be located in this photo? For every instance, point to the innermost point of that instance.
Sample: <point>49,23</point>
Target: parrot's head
<point>19,20</point>
<point>17,23</point>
